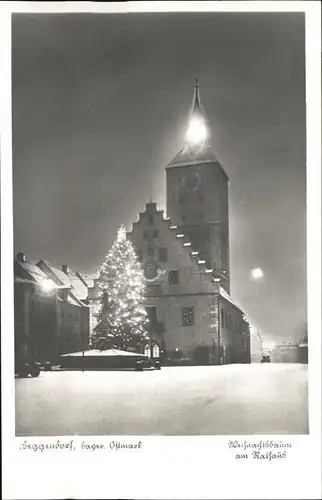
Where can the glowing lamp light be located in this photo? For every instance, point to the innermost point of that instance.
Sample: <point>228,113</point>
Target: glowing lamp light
<point>47,285</point>
<point>257,273</point>
<point>197,131</point>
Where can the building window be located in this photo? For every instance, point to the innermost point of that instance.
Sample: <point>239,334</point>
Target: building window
<point>145,235</point>
<point>163,254</point>
<point>147,350</point>
<point>173,277</point>
<point>155,351</point>
<point>187,316</point>
<point>151,219</point>
<point>150,250</point>
<point>155,233</point>
<point>222,318</point>
<point>152,313</point>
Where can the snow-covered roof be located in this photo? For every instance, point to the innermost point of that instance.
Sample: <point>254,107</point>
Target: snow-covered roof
<point>191,155</point>
<point>105,352</point>
<point>32,274</point>
<point>90,278</point>
<point>72,280</point>
<point>226,296</point>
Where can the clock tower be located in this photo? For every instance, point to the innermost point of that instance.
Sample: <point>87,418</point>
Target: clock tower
<point>197,195</point>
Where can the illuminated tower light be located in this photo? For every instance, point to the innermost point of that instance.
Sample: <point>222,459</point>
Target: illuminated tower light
<point>187,244</point>
<point>197,132</point>
<point>207,271</point>
<point>181,235</point>
<point>173,227</point>
<point>195,253</point>
<point>201,261</point>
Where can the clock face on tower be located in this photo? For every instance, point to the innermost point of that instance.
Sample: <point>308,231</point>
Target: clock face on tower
<point>191,182</point>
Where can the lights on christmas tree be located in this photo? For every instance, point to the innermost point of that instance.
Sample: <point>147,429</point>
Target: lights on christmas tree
<point>122,277</point>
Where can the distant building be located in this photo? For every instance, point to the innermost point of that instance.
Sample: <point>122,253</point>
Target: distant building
<point>303,352</point>
<point>50,319</point>
<point>256,346</point>
<point>186,259</point>
<point>290,353</point>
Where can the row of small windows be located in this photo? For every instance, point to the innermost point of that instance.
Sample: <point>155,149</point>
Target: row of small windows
<point>149,234</point>
<point>43,306</point>
<point>70,317</point>
<point>187,315</point>
<point>162,253</point>
<point>200,216</point>
<point>46,307</point>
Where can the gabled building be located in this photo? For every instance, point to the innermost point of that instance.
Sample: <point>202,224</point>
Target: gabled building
<point>64,276</point>
<point>186,258</point>
<point>50,319</point>
<point>93,298</point>
<point>83,288</point>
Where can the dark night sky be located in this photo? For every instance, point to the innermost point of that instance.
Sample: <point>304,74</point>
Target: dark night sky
<point>100,103</point>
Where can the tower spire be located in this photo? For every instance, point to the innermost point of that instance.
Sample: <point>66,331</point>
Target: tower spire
<point>196,104</point>
<point>197,133</point>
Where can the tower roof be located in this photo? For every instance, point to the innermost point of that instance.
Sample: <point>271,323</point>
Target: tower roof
<point>191,155</point>
<point>196,107</point>
<point>197,148</point>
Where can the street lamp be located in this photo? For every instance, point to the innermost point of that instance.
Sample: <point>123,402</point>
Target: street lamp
<point>47,285</point>
<point>257,273</point>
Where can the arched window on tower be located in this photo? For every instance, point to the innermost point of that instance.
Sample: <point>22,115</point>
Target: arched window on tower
<point>147,350</point>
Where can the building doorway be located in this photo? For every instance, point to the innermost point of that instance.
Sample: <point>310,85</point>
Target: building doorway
<point>202,355</point>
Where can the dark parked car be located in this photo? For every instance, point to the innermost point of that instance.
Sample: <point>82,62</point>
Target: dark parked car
<point>147,364</point>
<point>28,368</point>
<point>266,359</point>
<point>47,366</point>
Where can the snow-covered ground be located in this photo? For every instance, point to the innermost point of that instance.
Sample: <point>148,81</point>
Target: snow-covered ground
<point>218,400</point>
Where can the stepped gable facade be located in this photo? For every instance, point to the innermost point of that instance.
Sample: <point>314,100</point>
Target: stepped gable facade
<point>191,315</point>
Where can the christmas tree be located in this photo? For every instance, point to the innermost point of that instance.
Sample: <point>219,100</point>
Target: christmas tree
<point>122,320</point>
